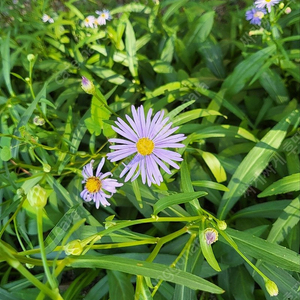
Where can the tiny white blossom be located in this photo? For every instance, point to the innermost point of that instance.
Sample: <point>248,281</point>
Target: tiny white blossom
<point>47,18</point>
<point>89,21</point>
<point>103,17</point>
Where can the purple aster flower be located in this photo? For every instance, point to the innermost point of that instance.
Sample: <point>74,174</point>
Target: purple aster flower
<point>267,3</point>
<point>146,137</point>
<point>255,15</point>
<point>96,187</point>
<point>211,235</point>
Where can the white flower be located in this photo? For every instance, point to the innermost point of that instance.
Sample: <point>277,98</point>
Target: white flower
<point>47,18</point>
<point>103,17</point>
<point>89,21</point>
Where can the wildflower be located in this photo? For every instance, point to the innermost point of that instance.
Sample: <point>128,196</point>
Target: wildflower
<point>211,235</point>
<point>267,3</point>
<point>47,18</point>
<point>271,287</point>
<point>103,17</point>
<point>89,21</point>
<point>96,187</point>
<point>255,15</point>
<point>146,139</point>
<point>87,86</point>
<point>37,197</point>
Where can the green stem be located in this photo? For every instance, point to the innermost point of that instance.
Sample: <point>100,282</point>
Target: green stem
<point>106,106</point>
<point>143,221</point>
<point>42,248</point>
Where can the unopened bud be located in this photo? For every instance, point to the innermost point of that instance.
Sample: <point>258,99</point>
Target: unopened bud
<point>27,79</point>
<point>37,196</point>
<point>20,192</point>
<point>211,235</point>
<point>87,86</point>
<point>73,248</point>
<point>30,57</point>
<point>281,5</point>
<point>222,225</point>
<point>29,266</point>
<point>38,121</point>
<point>288,10</point>
<point>271,287</point>
<point>46,168</point>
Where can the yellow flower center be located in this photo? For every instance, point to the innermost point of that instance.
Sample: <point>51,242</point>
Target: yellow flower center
<point>103,16</point>
<point>144,146</point>
<point>259,14</point>
<point>268,0</point>
<point>93,184</point>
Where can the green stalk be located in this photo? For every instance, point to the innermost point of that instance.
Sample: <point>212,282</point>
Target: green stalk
<point>39,212</point>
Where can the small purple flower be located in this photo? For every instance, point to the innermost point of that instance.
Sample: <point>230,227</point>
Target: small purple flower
<point>268,3</point>
<point>146,137</point>
<point>211,235</point>
<point>96,186</point>
<point>255,15</point>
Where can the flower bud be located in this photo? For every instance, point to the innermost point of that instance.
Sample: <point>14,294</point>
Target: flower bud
<point>29,266</point>
<point>281,5</point>
<point>38,121</point>
<point>271,287</point>
<point>211,235</point>
<point>20,192</point>
<point>27,79</point>
<point>30,57</point>
<point>87,86</point>
<point>221,225</point>
<point>46,168</point>
<point>37,197</point>
<point>73,248</point>
<point>288,10</point>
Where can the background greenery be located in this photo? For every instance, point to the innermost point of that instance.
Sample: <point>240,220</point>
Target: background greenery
<point>235,96</point>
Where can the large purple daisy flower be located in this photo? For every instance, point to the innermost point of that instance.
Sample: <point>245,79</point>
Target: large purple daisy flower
<point>147,138</point>
<point>96,187</point>
<point>266,3</point>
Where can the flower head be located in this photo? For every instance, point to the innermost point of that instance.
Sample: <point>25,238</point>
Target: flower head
<point>103,17</point>
<point>98,188</point>
<point>89,21</point>
<point>211,235</point>
<point>47,18</point>
<point>87,86</point>
<point>288,10</point>
<point>267,3</point>
<point>146,138</point>
<point>37,196</point>
<point>255,15</point>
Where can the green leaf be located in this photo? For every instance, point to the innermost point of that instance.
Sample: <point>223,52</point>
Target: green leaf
<point>242,284</point>
<point>193,207</point>
<point>6,61</point>
<point>130,44</point>
<point>236,81</point>
<point>5,154</point>
<point>270,209</point>
<point>165,202</point>
<point>224,131</point>
<point>214,165</point>
<point>268,252</point>
<point>120,287</point>
<point>274,85</point>
<point>284,185</point>
<point>254,163</point>
<point>287,220</point>
<point>194,114</point>
<point>210,185</point>
<point>144,268</point>
<point>200,29</point>
<point>208,252</point>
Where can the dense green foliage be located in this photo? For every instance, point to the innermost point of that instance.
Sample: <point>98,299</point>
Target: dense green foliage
<point>233,94</point>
